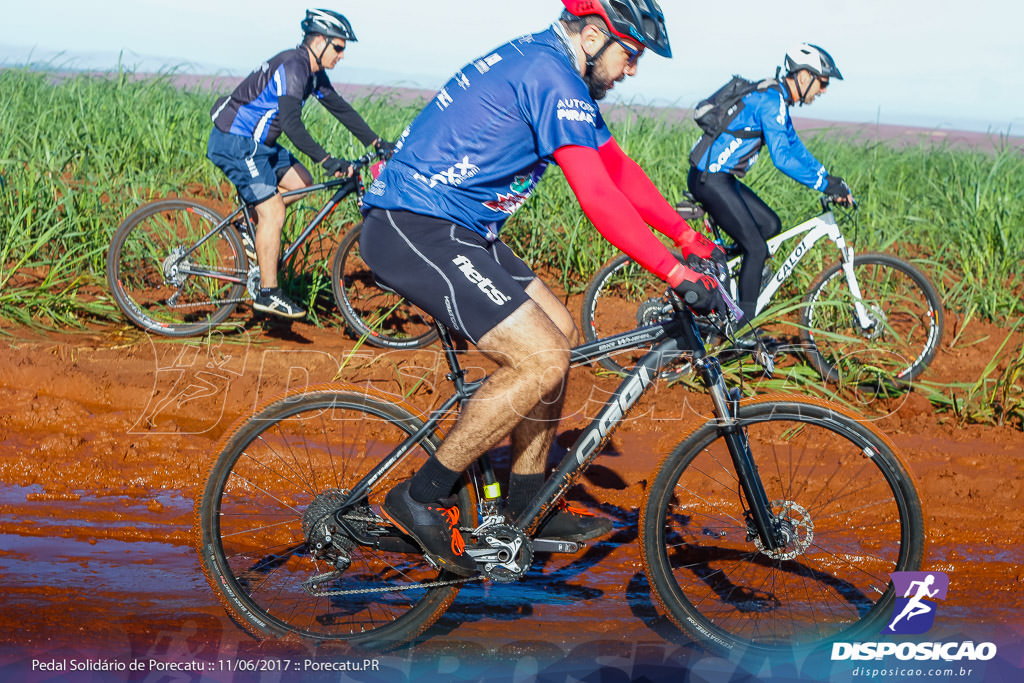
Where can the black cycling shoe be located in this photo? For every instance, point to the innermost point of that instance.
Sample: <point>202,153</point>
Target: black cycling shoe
<point>752,342</point>
<point>276,303</point>
<point>433,526</point>
<point>569,523</point>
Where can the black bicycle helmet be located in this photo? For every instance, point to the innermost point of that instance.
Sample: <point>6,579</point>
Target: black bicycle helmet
<point>324,22</point>
<point>638,20</point>
<point>814,59</point>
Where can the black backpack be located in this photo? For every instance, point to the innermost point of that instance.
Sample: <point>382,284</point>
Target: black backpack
<point>714,113</point>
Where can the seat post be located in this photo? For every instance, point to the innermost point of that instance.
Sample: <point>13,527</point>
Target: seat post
<point>450,354</point>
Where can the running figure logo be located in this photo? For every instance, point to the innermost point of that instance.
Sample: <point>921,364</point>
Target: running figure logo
<point>915,611</point>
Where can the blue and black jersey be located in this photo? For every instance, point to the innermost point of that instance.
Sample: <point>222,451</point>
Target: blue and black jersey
<point>476,152</point>
<point>269,101</point>
<point>768,112</point>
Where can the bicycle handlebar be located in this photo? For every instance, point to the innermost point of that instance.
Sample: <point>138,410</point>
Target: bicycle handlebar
<point>365,160</point>
<point>827,202</point>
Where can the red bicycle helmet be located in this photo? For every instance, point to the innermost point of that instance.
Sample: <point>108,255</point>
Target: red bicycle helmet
<point>638,20</point>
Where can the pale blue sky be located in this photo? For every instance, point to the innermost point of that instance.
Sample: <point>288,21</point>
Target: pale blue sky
<point>936,63</point>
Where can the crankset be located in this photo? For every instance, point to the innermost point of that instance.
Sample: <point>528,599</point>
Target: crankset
<point>502,552</point>
<point>252,280</point>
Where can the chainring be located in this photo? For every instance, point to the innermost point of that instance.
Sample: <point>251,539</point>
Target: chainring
<point>513,553</point>
<point>252,280</point>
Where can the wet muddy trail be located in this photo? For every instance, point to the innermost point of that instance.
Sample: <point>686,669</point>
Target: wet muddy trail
<point>106,439</point>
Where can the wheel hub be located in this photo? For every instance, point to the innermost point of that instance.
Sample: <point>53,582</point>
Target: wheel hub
<point>173,265</point>
<point>326,539</point>
<point>877,317</point>
<point>652,311</point>
<point>796,527</point>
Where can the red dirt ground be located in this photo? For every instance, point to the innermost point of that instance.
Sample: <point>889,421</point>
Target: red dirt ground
<point>106,438</point>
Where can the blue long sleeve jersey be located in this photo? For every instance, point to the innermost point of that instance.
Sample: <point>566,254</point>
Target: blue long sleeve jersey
<point>765,111</point>
<point>269,101</point>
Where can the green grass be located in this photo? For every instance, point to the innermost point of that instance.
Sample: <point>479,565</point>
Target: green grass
<point>79,153</point>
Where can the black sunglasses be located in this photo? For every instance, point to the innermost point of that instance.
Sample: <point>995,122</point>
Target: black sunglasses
<point>634,54</point>
<point>337,48</point>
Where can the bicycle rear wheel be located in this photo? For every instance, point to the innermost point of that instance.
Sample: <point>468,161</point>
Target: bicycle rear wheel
<point>284,471</point>
<point>385,319</point>
<point>846,500</point>
<point>905,330</point>
<point>159,285</point>
<point>620,297</point>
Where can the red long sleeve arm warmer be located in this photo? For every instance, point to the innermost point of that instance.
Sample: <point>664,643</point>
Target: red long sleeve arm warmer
<point>613,214</point>
<point>641,192</point>
<point>649,202</point>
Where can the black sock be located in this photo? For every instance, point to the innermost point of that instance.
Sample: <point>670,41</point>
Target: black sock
<point>521,490</point>
<point>433,482</point>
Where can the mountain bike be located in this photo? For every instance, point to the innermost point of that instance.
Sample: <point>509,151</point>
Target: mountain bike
<point>772,526</point>
<point>177,268</point>
<point>867,319</point>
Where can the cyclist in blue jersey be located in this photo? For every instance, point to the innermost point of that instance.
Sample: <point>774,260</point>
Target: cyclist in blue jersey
<point>763,119</point>
<point>265,104</point>
<point>466,163</point>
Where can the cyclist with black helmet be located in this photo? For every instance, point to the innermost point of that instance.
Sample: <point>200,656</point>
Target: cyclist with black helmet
<point>465,164</point>
<point>763,119</point>
<point>247,123</point>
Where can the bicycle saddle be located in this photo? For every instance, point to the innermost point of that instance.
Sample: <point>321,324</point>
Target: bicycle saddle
<point>690,210</point>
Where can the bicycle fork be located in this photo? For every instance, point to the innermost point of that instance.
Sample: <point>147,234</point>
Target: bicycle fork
<point>726,404</point>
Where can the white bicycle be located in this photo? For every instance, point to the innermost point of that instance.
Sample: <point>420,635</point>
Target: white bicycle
<point>868,319</point>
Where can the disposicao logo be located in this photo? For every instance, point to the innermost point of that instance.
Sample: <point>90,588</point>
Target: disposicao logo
<point>914,612</point>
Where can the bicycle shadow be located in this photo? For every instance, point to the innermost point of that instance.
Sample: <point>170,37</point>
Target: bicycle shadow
<point>545,583</point>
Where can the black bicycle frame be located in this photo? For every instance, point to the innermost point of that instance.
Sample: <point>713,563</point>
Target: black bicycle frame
<point>675,337</point>
<point>346,186</point>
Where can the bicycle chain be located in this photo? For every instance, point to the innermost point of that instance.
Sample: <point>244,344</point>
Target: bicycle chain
<point>360,591</point>
<point>357,591</point>
<point>218,302</point>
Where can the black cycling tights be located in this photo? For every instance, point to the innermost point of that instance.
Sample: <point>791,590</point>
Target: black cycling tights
<point>746,219</point>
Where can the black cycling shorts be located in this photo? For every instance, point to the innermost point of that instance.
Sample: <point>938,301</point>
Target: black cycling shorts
<point>451,272</point>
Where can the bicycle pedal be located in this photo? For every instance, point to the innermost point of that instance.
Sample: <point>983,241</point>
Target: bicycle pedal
<point>553,545</point>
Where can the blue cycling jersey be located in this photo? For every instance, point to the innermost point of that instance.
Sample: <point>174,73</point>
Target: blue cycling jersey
<point>476,152</point>
<point>765,111</point>
<point>252,109</point>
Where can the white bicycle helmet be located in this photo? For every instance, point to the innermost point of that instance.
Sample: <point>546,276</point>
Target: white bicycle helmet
<point>324,22</point>
<point>814,59</point>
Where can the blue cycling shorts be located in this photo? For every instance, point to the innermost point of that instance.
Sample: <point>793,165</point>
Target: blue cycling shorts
<point>254,168</point>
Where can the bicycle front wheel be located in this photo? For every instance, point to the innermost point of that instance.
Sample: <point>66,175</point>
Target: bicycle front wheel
<point>904,330</point>
<point>845,501</point>
<point>275,555</point>
<point>384,318</point>
<point>163,282</point>
<point>621,297</point>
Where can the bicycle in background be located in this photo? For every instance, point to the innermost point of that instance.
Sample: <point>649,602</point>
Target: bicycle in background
<point>868,319</point>
<point>177,268</point>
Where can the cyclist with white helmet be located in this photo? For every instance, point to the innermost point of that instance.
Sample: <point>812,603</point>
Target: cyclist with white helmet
<point>247,123</point>
<point>763,119</point>
<point>465,164</point>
